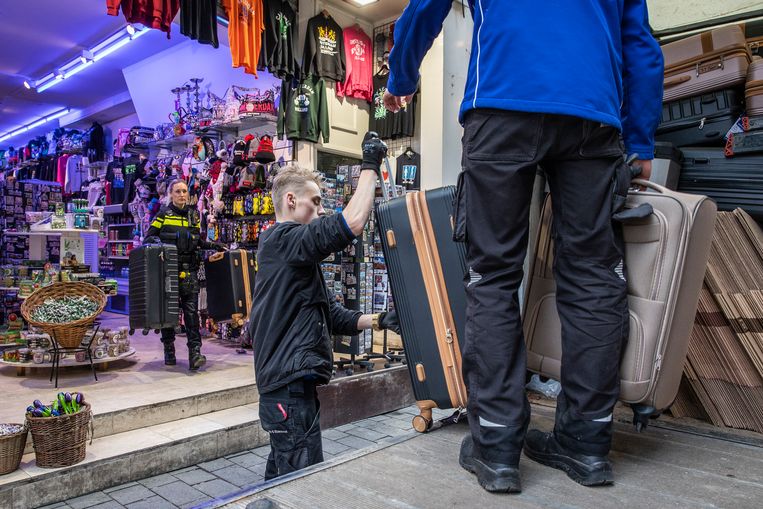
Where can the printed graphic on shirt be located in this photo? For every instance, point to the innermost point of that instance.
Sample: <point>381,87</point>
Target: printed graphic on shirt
<point>245,10</point>
<point>358,49</point>
<point>327,39</point>
<point>129,169</point>
<point>301,103</point>
<point>409,173</point>
<point>380,112</point>
<point>283,25</point>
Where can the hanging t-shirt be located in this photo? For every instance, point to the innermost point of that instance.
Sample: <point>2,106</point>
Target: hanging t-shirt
<point>277,55</point>
<point>303,113</point>
<point>409,170</point>
<point>358,54</point>
<point>61,169</point>
<point>75,174</point>
<point>156,14</point>
<point>386,123</point>
<point>198,20</point>
<point>245,26</point>
<point>324,49</point>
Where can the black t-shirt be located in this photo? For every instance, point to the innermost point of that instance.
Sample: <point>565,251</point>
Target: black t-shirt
<point>277,52</point>
<point>409,170</point>
<point>198,20</point>
<point>324,49</point>
<point>388,124</point>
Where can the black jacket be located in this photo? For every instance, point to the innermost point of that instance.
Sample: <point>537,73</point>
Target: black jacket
<point>292,318</point>
<point>182,228</point>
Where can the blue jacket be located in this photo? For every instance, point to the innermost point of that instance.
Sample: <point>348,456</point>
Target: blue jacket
<point>594,59</point>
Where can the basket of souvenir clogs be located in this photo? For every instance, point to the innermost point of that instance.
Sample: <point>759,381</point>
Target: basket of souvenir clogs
<point>64,310</point>
<point>60,430</point>
<point>12,443</point>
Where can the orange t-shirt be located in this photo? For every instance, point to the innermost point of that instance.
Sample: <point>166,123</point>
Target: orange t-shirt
<point>246,22</point>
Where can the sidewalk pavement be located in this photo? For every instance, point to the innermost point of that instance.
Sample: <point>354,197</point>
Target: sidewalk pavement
<point>188,487</point>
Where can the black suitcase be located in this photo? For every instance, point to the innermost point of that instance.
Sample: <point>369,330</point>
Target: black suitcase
<point>230,285</point>
<point>701,120</point>
<point>153,289</point>
<point>731,182</point>
<point>426,272</point>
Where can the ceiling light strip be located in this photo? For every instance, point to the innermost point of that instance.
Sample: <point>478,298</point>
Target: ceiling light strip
<point>101,50</point>
<point>37,123</point>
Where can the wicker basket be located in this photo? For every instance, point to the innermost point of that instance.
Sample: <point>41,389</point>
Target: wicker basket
<point>68,335</point>
<point>11,450</point>
<point>60,441</point>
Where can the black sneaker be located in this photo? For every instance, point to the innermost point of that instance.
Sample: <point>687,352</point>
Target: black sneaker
<point>586,470</point>
<point>493,477</point>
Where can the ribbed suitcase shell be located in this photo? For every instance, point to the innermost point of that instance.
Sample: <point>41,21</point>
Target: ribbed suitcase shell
<point>435,372</point>
<point>153,290</point>
<point>230,284</point>
<point>705,62</point>
<point>665,256</point>
<point>731,182</point>
<point>701,120</point>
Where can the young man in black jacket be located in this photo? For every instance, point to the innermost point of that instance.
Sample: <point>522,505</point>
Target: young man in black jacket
<point>292,317</point>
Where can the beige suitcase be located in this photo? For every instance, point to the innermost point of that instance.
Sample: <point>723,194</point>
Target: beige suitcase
<point>705,62</point>
<point>753,90</point>
<point>665,255</point>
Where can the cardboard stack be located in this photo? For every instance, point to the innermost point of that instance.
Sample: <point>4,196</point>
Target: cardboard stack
<point>724,367</point>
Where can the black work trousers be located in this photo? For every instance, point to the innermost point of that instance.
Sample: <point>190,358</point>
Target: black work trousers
<point>581,158</point>
<point>291,416</point>
<point>189,304</point>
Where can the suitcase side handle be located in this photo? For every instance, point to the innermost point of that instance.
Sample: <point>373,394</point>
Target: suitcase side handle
<point>672,82</point>
<point>216,257</point>
<point>651,185</point>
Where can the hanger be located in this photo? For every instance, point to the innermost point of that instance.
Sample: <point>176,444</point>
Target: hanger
<point>409,151</point>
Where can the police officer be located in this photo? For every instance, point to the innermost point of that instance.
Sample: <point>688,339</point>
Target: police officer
<point>179,224</point>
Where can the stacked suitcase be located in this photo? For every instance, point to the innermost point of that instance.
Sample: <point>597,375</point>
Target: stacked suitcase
<point>230,285</point>
<point>713,112</point>
<point>153,290</point>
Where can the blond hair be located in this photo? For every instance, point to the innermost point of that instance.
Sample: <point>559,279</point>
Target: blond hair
<point>292,178</point>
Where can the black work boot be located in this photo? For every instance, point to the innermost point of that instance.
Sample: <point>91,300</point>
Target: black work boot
<point>583,469</point>
<point>493,477</point>
<point>195,359</point>
<point>169,354</point>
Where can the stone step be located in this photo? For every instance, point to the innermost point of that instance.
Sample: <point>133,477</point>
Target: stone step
<point>118,458</point>
<point>140,416</point>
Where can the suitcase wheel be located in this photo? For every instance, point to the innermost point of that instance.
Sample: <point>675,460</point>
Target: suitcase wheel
<point>641,416</point>
<point>145,332</point>
<point>156,331</point>
<point>422,424</point>
<point>132,331</point>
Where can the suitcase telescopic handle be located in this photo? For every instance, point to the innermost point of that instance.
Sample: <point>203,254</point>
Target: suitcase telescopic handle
<point>385,190</point>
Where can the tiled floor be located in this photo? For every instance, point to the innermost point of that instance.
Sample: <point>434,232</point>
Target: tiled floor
<point>191,486</point>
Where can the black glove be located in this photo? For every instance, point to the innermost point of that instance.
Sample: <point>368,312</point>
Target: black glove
<point>374,152</point>
<point>389,321</point>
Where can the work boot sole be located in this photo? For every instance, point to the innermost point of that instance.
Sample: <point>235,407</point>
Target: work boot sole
<point>488,479</point>
<point>575,470</point>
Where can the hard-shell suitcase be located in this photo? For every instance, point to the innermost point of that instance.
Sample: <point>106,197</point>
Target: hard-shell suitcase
<point>665,256</point>
<point>705,62</point>
<point>153,289</point>
<point>666,165</point>
<point>731,182</point>
<point>744,143</point>
<point>426,271</point>
<point>753,89</point>
<point>230,284</point>
<point>701,120</point>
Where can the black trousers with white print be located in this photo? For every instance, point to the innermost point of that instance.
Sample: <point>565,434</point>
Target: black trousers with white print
<point>583,162</point>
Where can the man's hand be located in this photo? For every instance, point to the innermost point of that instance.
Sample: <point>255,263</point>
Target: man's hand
<point>389,321</point>
<point>374,152</point>
<point>646,168</point>
<point>395,103</point>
